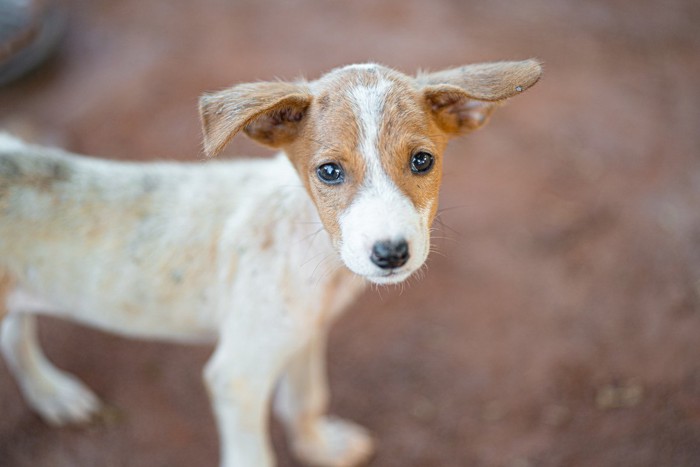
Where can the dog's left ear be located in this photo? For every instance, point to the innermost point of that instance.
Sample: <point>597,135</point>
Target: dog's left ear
<point>462,99</point>
<point>269,112</point>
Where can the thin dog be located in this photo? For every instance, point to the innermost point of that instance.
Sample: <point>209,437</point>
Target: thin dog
<point>256,256</point>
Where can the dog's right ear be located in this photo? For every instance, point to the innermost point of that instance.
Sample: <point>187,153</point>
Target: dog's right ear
<point>269,112</point>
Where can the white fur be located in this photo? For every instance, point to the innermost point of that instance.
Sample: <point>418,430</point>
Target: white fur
<point>9,142</point>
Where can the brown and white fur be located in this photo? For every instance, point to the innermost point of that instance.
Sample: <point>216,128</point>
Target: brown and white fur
<point>256,256</point>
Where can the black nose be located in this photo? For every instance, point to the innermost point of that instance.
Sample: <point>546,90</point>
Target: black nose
<point>389,255</point>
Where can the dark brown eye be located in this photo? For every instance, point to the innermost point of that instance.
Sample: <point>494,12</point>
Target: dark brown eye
<point>330,173</point>
<point>422,162</point>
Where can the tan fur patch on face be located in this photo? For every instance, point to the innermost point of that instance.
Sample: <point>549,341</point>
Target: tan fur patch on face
<point>332,133</point>
<point>407,129</point>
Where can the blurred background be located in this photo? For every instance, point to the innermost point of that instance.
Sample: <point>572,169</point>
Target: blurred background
<point>559,323</point>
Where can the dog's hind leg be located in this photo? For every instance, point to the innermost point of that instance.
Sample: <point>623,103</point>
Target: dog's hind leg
<point>301,404</point>
<point>57,396</point>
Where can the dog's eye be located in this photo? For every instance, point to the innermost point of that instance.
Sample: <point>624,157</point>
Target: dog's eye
<point>330,173</point>
<point>421,162</point>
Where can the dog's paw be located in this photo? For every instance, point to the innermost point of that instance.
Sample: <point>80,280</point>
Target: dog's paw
<point>335,443</point>
<point>62,399</point>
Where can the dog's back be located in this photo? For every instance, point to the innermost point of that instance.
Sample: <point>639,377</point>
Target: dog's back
<point>143,239</point>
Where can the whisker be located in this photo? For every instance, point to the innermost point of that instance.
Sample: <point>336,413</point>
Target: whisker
<point>311,236</point>
<point>450,208</point>
<point>447,227</point>
<point>379,292</point>
<point>325,258</point>
<point>437,252</point>
<point>312,258</point>
<point>330,272</point>
<point>432,237</point>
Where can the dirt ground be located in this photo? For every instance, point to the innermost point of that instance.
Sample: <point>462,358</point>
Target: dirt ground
<point>559,323</point>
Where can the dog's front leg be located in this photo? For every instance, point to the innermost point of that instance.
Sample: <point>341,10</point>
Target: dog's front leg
<point>240,376</point>
<point>301,403</point>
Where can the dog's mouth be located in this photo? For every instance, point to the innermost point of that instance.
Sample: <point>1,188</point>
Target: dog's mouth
<point>392,276</point>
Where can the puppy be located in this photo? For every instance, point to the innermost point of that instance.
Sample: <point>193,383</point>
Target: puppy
<point>256,256</point>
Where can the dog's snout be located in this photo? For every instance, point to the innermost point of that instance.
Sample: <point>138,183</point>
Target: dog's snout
<point>390,254</point>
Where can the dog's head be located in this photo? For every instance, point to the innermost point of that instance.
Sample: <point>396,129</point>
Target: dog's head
<point>367,142</point>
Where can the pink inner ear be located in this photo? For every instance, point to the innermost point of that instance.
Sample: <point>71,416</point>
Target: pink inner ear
<point>275,119</point>
<point>287,114</point>
<point>476,110</point>
<point>441,100</point>
<point>468,110</point>
<point>278,126</point>
<point>457,111</point>
<point>473,113</point>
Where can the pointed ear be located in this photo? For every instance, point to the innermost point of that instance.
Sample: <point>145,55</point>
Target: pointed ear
<point>269,112</point>
<point>462,99</point>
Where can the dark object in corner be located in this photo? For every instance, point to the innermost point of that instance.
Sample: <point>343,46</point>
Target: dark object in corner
<point>30,30</point>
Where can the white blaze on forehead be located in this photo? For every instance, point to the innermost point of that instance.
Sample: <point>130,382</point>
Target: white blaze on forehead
<point>368,102</point>
<point>378,193</point>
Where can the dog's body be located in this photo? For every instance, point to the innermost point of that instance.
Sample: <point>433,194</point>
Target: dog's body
<point>81,235</point>
<point>250,255</point>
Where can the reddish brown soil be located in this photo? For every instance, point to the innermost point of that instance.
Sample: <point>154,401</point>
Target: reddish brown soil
<point>559,324</point>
